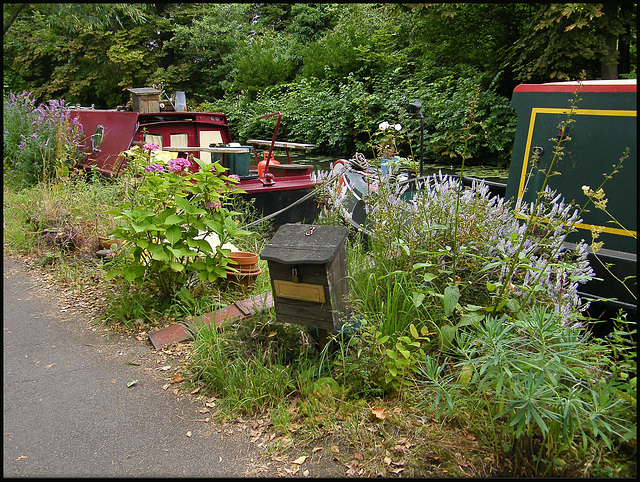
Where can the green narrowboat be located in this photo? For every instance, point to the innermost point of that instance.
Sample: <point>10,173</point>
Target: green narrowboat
<point>604,127</point>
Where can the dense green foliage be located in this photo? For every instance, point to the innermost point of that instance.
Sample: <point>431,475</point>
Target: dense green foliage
<point>334,70</point>
<point>464,311</point>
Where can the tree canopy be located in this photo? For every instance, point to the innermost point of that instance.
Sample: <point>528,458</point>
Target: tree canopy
<point>377,57</point>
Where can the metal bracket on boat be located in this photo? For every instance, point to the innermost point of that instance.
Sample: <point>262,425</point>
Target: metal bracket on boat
<point>268,179</point>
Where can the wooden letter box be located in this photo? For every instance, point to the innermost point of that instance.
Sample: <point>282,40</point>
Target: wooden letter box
<point>308,268</point>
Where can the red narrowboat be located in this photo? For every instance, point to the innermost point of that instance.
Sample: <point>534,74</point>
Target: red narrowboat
<point>205,135</point>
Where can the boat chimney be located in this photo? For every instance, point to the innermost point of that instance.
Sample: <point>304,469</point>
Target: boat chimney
<point>181,101</point>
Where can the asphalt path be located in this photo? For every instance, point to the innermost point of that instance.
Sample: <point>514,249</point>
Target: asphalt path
<point>69,410</point>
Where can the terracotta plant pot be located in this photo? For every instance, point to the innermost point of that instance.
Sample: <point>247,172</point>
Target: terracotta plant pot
<point>246,261</point>
<point>106,243</point>
<point>243,280</point>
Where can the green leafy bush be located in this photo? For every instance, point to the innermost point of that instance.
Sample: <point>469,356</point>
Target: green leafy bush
<point>167,218</point>
<point>543,387</point>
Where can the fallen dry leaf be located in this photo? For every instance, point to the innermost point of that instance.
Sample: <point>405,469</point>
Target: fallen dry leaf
<point>49,366</point>
<point>335,449</point>
<point>165,386</point>
<point>293,470</point>
<point>176,378</point>
<point>195,390</point>
<point>358,456</point>
<point>315,449</point>
<point>132,383</point>
<point>165,368</point>
<point>21,457</point>
<point>306,473</point>
<point>300,460</point>
<point>387,460</point>
<point>379,412</point>
<point>210,404</point>
<point>271,334</point>
<point>189,433</point>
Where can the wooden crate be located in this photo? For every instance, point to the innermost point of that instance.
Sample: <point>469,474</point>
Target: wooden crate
<point>145,100</point>
<point>308,270</point>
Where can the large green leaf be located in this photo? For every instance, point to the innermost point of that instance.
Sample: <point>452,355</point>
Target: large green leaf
<point>173,234</point>
<point>175,219</point>
<point>451,297</point>
<point>447,334</point>
<point>200,244</point>
<point>157,252</point>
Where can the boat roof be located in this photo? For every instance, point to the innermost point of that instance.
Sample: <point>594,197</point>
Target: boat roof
<point>603,85</point>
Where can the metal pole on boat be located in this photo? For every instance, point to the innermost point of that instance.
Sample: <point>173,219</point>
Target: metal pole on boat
<point>421,140</point>
<point>415,109</point>
<point>275,133</point>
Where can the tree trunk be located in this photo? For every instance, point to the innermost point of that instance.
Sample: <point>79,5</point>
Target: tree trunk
<point>624,42</point>
<point>609,69</point>
<point>12,18</point>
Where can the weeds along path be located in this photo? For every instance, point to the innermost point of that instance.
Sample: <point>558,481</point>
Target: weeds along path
<point>82,400</point>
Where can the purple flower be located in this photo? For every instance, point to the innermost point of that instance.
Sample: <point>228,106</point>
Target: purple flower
<point>213,205</point>
<point>234,177</point>
<point>154,168</point>
<point>179,164</point>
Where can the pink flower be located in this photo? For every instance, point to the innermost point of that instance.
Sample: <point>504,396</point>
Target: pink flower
<point>234,177</point>
<point>150,146</point>
<point>179,164</point>
<point>213,205</point>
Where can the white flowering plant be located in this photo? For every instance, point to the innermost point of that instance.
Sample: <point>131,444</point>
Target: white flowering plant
<point>170,212</point>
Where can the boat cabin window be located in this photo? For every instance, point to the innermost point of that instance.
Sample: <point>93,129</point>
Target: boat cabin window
<point>179,140</point>
<point>153,139</point>
<point>206,139</point>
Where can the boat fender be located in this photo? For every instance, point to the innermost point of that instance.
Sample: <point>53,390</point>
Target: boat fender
<point>337,169</point>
